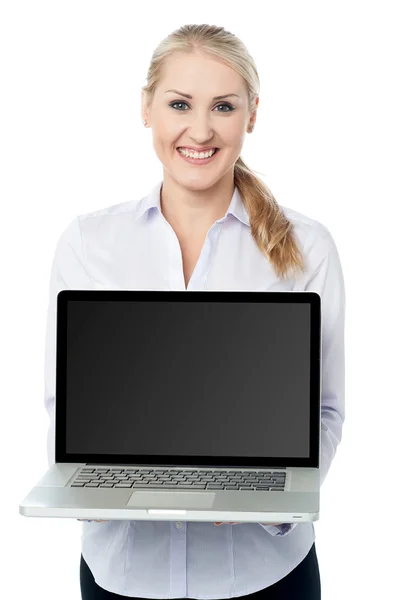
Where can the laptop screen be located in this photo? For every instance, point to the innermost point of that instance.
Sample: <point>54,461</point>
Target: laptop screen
<point>198,378</point>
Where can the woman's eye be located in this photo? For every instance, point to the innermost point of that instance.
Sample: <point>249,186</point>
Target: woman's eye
<point>222,104</point>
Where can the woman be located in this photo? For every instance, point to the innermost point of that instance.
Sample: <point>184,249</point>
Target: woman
<point>210,225</point>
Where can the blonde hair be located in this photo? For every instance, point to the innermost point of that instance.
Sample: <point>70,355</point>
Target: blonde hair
<point>270,229</point>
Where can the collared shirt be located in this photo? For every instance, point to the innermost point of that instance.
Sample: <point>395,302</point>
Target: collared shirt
<point>132,246</point>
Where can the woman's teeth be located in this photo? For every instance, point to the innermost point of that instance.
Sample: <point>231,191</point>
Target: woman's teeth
<point>197,154</point>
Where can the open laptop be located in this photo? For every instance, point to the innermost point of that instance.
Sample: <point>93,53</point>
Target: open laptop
<point>200,406</point>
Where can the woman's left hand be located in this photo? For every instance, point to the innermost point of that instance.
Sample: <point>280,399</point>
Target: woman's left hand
<point>234,523</point>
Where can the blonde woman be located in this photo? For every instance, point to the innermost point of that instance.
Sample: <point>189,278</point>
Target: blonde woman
<point>210,225</point>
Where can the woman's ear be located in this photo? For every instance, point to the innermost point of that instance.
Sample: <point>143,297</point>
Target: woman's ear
<point>144,109</point>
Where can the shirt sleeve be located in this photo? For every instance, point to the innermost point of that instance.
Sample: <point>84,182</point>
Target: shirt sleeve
<point>326,278</point>
<point>68,271</point>
<point>328,281</point>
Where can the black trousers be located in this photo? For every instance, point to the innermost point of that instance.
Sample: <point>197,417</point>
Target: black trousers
<point>303,583</point>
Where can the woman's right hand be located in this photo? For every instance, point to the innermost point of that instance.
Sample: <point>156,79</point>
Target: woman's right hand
<point>96,520</point>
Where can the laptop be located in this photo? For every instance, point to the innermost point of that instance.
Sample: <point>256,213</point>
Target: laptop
<point>200,406</point>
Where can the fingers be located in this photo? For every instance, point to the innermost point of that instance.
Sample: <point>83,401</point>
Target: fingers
<point>217,523</point>
<point>235,523</point>
<point>95,520</point>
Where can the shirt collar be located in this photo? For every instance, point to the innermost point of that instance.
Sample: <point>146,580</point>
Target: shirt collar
<point>236,207</point>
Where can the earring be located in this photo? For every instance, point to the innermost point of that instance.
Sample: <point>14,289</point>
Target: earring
<point>145,123</point>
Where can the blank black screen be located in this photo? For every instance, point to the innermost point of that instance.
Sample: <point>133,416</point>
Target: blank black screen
<point>188,378</point>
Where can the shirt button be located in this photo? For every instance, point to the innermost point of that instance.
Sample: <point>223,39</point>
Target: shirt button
<point>179,524</point>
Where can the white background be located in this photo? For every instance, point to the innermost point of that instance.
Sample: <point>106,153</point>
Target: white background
<point>325,142</point>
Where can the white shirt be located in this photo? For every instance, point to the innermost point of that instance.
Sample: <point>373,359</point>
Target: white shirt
<point>132,246</point>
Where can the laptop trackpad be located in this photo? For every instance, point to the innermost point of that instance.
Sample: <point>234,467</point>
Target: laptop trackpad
<point>155,499</point>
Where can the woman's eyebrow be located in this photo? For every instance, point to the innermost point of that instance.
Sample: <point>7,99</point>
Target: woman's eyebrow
<point>190,97</point>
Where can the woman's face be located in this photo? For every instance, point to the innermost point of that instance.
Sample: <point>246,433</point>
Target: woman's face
<point>200,121</point>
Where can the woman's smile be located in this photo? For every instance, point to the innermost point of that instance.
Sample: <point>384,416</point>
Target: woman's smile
<point>198,161</point>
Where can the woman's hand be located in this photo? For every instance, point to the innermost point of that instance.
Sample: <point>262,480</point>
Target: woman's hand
<point>234,523</point>
<point>217,523</point>
<point>96,520</point>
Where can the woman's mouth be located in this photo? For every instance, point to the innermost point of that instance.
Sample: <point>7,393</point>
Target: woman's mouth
<point>198,161</point>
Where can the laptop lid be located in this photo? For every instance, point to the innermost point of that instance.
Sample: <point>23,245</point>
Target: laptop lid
<point>205,379</point>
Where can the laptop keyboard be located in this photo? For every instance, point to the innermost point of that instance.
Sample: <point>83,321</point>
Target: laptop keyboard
<point>180,479</point>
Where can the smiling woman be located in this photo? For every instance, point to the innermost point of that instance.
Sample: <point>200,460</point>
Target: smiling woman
<point>180,105</point>
<point>227,232</point>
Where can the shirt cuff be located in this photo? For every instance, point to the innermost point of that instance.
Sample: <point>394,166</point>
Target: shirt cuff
<point>280,530</point>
